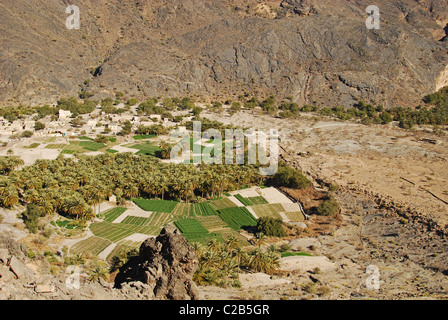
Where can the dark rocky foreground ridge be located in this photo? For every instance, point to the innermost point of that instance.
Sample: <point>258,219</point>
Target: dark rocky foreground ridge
<point>165,264</point>
<point>315,51</point>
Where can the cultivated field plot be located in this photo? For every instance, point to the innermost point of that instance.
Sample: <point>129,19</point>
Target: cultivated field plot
<point>144,136</point>
<point>113,213</point>
<point>85,138</point>
<point>223,203</point>
<point>118,231</point>
<point>184,210</point>
<point>32,146</point>
<point>250,201</point>
<point>93,245</point>
<point>56,146</point>
<point>146,149</point>
<point>92,146</point>
<point>50,140</point>
<point>156,205</point>
<point>194,231</point>
<point>137,221</point>
<point>268,210</point>
<point>213,223</point>
<point>295,216</point>
<point>156,220</point>
<point>237,217</point>
<point>190,226</point>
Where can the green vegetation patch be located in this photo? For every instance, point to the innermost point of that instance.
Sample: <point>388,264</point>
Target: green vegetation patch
<point>146,148</point>
<point>111,151</point>
<point>118,231</point>
<point>291,254</point>
<point>138,221</point>
<point>190,226</point>
<point>213,223</point>
<point>93,245</point>
<point>267,210</point>
<point>32,146</point>
<point>194,210</point>
<point>237,217</point>
<point>144,136</point>
<point>112,214</point>
<point>92,146</point>
<point>250,201</point>
<point>223,203</point>
<point>156,205</point>
<point>56,146</point>
<point>85,138</point>
<point>295,216</point>
<point>194,231</point>
<point>66,224</point>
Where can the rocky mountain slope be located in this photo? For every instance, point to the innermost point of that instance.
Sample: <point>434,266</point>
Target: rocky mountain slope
<point>315,51</point>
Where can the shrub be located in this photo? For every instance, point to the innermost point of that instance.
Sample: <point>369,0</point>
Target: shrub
<point>271,227</point>
<point>39,126</point>
<point>289,177</point>
<point>27,134</point>
<point>328,207</point>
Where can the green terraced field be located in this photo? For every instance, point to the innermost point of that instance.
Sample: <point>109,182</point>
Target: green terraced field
<point>223,204</point>
<point>184,210</point>
<point>138,221</point>
<point>295,216</point>
<point>92,146</point>
<point>32,146</point>
<point>250,201</point>
<point>93,245</point>
<point>190,226</point>
<point>112,214</point>
<point>194,231</point>
<point>237,217</point>
<point>144,136</point>
<point>118,231</point>
<point>85,138</point>
<point>268,210</point>
<point>156,205</point>
<point>56,146</point>
<point>213,223</point>
<point>146,149</point>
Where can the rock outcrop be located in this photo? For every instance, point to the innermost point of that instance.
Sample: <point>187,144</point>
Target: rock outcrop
<point>165,265</point>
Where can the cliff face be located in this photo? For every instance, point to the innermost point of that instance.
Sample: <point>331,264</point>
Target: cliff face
<point>315,51</point>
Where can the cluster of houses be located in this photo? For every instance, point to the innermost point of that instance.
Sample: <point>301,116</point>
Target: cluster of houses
<point>96,123</point>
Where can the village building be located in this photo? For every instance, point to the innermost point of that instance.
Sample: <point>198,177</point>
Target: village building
<point>64,114</point>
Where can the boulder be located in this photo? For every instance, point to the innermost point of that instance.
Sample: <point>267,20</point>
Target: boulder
<point>305,244</point>
<point>22,272</point>
<point>14,248</point>
<point>5,274</point>
<point>4,256</point>
<point>167,263</point>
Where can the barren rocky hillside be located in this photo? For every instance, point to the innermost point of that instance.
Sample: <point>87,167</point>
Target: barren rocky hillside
<point>315,51</point>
